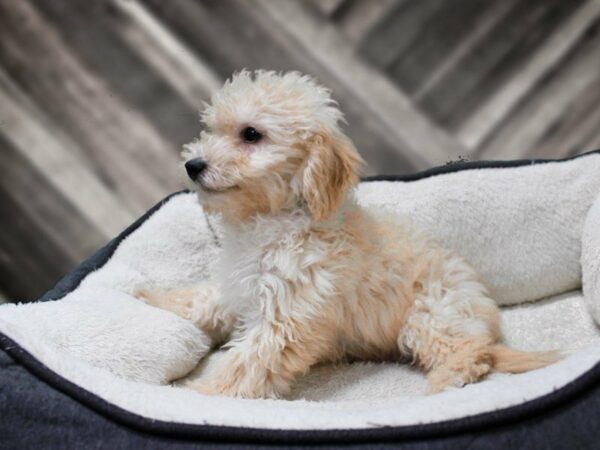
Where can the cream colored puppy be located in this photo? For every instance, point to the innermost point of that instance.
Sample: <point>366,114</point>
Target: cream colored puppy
<point>306,275</point>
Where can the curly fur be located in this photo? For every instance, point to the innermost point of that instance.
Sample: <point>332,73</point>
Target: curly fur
<point>306,274</point>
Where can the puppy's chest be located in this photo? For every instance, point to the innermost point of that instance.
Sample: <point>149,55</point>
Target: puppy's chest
<point>256,270</point>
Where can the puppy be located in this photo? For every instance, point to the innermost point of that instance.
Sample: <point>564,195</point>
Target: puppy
<point>307,275</point>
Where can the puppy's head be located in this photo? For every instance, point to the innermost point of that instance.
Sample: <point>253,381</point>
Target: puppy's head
<point>272,142</point>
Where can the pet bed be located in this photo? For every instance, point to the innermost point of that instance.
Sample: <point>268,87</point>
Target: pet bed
<point>88,365</point>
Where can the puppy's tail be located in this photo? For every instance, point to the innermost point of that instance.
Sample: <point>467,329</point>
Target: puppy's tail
<point>506,359</point>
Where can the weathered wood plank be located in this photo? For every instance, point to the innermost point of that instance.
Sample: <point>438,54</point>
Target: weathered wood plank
<point>541,113</point>
<point>411,133</point>
<point>96,97</point>
<point>191,77</point>
<point>484,119</point>
<point>438,37</point>
<point>494,59</point>
<point>576,131</point>
<point>118,141</point>
<point>54,216</point>
<point>44,234</point>
<point>397,31</point>
<point>58,162</point>
<point>254,41</point>
<point>361,16</point>
<point>484,25</point>
<point>225,46</point>
<point>328,7</point>
<point>592,143</point>
<point>92,33</point>
<point>29,263</point>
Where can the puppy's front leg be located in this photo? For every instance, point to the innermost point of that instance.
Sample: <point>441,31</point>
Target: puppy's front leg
<point>199,303</point>
<point>261,365</point>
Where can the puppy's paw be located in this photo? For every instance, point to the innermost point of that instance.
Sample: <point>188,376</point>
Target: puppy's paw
<point>180,303</point>
<point>442,378</point>
<point>186,303</point>
<point>216,388</point>
<point>204,387</point>
<point>213,387</point>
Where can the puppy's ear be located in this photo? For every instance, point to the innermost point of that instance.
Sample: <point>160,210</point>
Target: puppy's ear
<point>330,170</point>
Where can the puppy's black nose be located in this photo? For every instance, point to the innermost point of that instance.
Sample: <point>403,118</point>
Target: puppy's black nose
<point>194,167</point>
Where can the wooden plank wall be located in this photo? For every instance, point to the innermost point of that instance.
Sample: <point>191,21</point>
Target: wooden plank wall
<point>96,98</point>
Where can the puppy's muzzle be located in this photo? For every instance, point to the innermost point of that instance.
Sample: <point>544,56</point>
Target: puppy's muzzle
<point>194,167</point>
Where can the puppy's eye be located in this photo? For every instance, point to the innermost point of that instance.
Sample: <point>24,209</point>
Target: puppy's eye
<point>251,135</point>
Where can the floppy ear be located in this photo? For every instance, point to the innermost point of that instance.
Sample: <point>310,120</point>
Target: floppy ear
<point>331,169</point>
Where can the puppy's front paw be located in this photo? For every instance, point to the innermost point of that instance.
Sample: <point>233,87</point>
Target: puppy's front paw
<point>186,303</point>
<point>213,387</point>
<point>204,387</point>
<point>180,303</point>
<point>216,388</point>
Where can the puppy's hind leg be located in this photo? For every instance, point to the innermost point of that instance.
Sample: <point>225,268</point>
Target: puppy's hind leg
<point>451,325</point>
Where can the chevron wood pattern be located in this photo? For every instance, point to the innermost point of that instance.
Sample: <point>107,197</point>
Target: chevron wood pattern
<point>96,98</point>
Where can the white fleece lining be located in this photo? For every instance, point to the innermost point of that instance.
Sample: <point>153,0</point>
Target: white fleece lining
<point>175,247</point>
<point>180,405</point>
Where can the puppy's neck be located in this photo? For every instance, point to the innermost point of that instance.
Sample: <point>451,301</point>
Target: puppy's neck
<point>293,217</point>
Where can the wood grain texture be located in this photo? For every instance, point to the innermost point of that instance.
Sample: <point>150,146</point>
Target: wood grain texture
<point>558,108</point>
<point>560,43</point>
<point>38,245</point>
<point>376,96</point>
<point>503,51</point>
<point>398,30</point>
<point>358,17</point>
<point>59,161</point>
<point>114,135</point>
<point>96,98</point>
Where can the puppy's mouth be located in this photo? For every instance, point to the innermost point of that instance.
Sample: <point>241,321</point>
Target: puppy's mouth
<point>220,190</point>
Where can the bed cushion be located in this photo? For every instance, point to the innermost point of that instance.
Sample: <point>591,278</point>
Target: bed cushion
<point>522,224</point>
<point>520,227</point>
<point>113,331</point>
